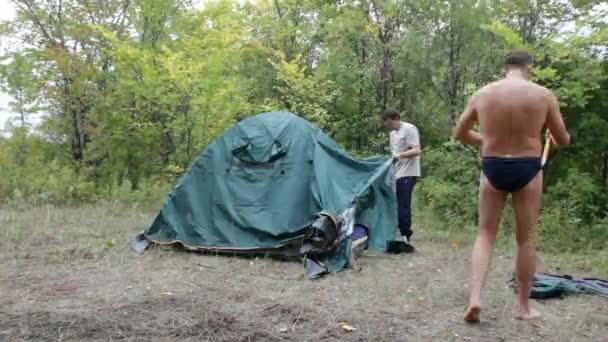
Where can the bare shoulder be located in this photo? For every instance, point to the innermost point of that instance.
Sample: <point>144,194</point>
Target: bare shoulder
<point>489,89</point>
<point>533,86</point>
<point>478,96</point>
<point>546,93</point>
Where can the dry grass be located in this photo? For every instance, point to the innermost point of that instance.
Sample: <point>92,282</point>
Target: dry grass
<point>63,280</point>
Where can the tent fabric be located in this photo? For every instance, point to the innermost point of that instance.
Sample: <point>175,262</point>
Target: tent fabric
<point>262,183</point>
<point>547,285</point>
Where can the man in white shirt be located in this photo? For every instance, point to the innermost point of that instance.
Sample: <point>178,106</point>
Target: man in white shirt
<point>405,148</point>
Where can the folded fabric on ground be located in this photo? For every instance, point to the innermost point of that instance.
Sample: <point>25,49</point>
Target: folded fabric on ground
<point>359,240</point>
<point>551,285</point>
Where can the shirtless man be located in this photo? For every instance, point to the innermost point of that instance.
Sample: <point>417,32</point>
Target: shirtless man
<point>511,113</point>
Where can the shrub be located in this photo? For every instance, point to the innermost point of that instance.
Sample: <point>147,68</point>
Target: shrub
<point>446,196</point>
<point>573,217</point>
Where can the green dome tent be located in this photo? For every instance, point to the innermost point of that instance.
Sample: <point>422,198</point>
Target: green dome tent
<point>276,184</point>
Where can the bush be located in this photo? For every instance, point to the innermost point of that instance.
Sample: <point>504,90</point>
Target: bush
<point>31,176</point>
<point>148,193</point>
<point>573,217</point>
<point>446,196</point>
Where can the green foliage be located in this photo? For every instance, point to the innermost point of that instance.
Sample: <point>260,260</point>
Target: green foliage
<point>511,39</point>
<point>573,217</point>
<point>448,190</point>
<point>575,214</point>
<point>133,90</point>
<point>303,95</point>
<point>30,177</point>
<point>20,82</point>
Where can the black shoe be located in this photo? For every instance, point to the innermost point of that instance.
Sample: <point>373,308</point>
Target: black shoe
<point>399,246</point>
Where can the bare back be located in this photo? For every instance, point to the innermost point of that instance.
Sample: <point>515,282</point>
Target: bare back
<point>511,114</point>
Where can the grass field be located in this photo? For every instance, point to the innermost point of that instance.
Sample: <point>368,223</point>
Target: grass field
<point>69,275</point>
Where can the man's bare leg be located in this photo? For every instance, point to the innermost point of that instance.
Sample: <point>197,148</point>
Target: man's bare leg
<point>526,207</point>
<point>491,205</point>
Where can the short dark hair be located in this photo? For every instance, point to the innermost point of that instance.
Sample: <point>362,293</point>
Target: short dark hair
<point>391,114</point>
<point>519,58</point>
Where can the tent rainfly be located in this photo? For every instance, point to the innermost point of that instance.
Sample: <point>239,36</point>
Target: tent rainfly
<point>275,184</point>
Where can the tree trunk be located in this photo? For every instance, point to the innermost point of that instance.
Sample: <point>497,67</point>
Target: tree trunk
<point>70,109</point>
<point>361,98</point>
<point>454,74</point>
<point>21,111</point>
<point>605,170</point>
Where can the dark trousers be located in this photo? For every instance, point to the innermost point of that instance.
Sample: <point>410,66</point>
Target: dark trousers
<point>405,187</point>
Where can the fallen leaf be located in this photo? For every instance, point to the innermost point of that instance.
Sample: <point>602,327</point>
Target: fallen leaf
<point>347,327</point>
<point>455,244</point>
<point>109,243</point>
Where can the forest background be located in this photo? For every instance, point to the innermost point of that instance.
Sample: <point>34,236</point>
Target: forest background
<point>126,93</point>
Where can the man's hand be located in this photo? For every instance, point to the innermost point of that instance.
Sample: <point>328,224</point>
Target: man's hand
<point>549,136</point>
<point>555,124</point>
<point>551,139</point>
<point>463,131</point>
<point>473,138</point>
<point>410,153</point>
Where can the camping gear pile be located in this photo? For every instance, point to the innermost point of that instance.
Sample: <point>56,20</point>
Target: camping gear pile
<point>275,184</point>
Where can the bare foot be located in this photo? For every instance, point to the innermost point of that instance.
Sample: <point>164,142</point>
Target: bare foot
<point>472,314</point>
<point>526,315</point>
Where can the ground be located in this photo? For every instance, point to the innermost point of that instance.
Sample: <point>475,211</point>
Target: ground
<point>68,275</point>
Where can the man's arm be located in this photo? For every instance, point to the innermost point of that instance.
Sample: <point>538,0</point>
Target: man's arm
<point>411,153</point>
<point>555,123</point>
<point>464,128</point>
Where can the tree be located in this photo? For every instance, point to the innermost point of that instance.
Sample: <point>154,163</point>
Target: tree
<point>19,81</point>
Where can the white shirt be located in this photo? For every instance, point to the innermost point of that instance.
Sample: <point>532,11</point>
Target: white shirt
<point>401,140</point>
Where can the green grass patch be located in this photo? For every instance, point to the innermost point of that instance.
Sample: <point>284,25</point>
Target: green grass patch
<point>584,262</point>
